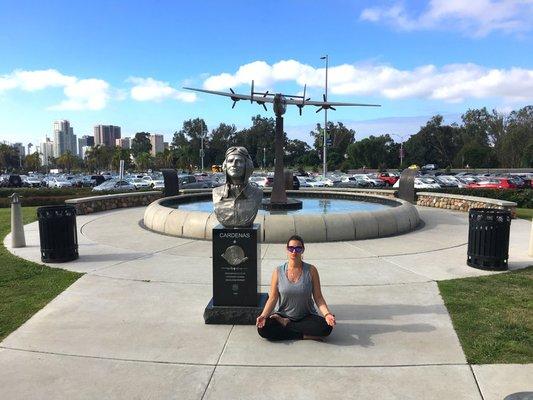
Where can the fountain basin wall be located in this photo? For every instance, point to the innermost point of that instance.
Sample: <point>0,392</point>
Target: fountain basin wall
<point>399,218</point>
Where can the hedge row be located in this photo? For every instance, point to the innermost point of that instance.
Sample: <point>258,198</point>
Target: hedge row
<point>522,197</point>
<point>45,192</point>
<point>47,197</point>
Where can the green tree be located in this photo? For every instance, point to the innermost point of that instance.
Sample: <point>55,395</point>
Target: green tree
<point>121,154</point>
<point>294,150</point>
<point>192,132</point>
<point>67,161</point>
<point>220,139</point>
<point>434,144</point>
<point>261,135</point>
<point>99,158</point>
<point>32,162</point>
<point>144,161</point>
<point>9,157</point>
<point>517,142</point>
<point>373,152</point>
<point>141,143</point>
<point>341,137</point>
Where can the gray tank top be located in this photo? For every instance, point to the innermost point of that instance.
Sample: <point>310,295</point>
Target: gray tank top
<point>295,299</point>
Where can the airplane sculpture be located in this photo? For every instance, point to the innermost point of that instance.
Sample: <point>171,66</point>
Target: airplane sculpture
<point>278,199</point>
<point>280,101</point>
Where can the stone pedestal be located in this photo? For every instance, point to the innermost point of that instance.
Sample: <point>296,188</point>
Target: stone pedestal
<point>236,275</point>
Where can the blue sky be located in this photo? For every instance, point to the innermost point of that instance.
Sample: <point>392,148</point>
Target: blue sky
<point>125,62</point>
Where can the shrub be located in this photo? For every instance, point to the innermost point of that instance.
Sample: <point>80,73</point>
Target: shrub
<point>522,197</point>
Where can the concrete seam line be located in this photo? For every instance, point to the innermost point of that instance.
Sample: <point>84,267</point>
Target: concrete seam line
<point>218,360</point>
<point>104,358</point>
<point>475,380</point>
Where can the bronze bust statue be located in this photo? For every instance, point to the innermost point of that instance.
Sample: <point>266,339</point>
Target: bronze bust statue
<point>237,201</point>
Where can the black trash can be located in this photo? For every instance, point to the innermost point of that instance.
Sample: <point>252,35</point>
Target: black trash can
<point>488,238</point>
<point>58,234</point>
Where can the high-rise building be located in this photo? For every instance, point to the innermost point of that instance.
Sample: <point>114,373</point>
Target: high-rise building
<point>64,138</point>
<point>106,135</point>
<point>125,143</point>
<point>157,144</point>
<point>84,141</point>
<point>19,147</point>
<point>46,150</point>
<point>83,150</point>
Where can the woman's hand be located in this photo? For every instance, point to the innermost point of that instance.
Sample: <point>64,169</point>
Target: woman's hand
<point>330,319</point>
<point>260,322</point>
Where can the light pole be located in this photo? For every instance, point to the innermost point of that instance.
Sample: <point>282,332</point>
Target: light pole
<point>401,147</point>
<point>264,158</point>
<point>202,150</point>
<point>324,166</point>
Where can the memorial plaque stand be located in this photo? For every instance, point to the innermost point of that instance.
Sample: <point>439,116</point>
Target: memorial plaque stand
<point>236,274</point>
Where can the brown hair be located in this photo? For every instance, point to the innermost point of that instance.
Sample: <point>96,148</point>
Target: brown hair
<point>298,238</point>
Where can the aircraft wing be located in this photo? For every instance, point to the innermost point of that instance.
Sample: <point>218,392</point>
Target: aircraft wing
<point>328,103</point>
<point>235,96</point>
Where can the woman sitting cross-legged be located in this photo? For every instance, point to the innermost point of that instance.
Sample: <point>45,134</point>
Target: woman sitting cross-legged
<point>294,286</point>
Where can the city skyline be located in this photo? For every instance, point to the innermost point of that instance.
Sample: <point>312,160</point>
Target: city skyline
<point>417,59</point>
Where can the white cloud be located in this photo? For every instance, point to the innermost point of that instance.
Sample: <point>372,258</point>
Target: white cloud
<point>85,94</point>
<point>149,89</point>
<point>81,94</point>
<point>473,17</point>
<point>451,83</point>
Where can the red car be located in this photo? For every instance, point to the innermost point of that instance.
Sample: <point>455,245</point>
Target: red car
<point>389,179</point>
<point>495,183</point>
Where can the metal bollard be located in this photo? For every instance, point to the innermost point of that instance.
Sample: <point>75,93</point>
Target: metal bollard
<point>17,227</point>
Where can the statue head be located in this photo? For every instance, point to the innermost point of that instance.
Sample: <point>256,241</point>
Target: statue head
<point>238,165</point>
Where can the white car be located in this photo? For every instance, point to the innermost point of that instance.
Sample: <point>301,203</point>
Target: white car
<point>421,183</point>
<point>303,181</point>
<point>139,183</point>
<point>114,185</point>
<point>158,184</point>
<point>371,181</point>
<point>56,182</point>
<point>314,183</point>
<point>325,182</point>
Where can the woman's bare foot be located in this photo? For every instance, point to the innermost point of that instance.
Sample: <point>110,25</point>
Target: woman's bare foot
<point>282,320</point>
<point>317,338</point>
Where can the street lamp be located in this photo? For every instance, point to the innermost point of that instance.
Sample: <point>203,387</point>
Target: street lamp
<point>324,166</point>
<point>401,146</point>
<point>202,150</point>
<point>264,158</point>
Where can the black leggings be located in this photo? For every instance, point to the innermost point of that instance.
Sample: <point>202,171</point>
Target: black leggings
<point>311,325</point>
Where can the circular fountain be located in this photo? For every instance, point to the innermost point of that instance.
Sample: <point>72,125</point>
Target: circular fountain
<point>327,215</point>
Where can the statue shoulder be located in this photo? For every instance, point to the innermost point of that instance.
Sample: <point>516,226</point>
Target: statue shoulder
<point>218,192</point>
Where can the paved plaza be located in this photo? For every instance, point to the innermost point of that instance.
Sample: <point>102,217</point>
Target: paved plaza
<point>132,326</point>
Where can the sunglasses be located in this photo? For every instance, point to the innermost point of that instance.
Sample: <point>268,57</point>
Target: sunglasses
<point>295,249</point>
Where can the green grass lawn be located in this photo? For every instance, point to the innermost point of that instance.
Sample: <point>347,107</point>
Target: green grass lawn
<point>25,287</point>
<point>493,316</point>
<point>526,213</point>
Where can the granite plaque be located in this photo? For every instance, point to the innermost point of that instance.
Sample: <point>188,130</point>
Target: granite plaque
<point>406,190</point>
<point>170,177</point>
<point>236,266</point>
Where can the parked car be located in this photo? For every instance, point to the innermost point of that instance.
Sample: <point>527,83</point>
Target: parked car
<point>389,178</point>
<point>496,183</point>
<point>114,185</point>
<point>158,184</point>
<point>58,182</point>
<point>353,182</point>
<point>303,182</point>
<point>140,183</point>
<point>31,181</point>
<point>190,182</point>
<point>429,167</point>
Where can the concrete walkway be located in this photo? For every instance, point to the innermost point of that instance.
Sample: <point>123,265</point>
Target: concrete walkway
<point>132,327</point>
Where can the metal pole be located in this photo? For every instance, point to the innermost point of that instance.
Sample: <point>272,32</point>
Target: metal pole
<point>401,154</point>
<point>264,158</point>
<point>324,166</point>
<point>202,152</point>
